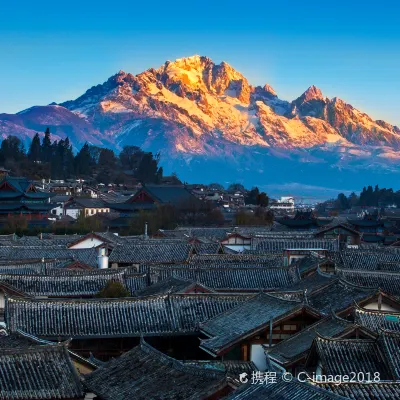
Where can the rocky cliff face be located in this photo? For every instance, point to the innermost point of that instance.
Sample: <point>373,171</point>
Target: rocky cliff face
<point>193,109</point>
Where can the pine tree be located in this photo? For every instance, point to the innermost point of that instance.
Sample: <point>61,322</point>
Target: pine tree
<point>83,161</point>
<point>35,149</point>
<point>46,146</point>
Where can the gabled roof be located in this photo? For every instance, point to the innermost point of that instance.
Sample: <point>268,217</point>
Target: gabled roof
<point>340,225</point>
<point>298,345</point>
<point>271,245</point>
<point>40,372</point>
<point>151,252</point>
<point>76,285</point>
<point>229,328</point>
<point>386,280</point>
<point>250,260</point>
<point>166,194</point>
<point>208,248</point>
<point>377,320</point>
<point>390,344</point>
<point>231,277</point>
<point>343,356</point>
<point>174,314</point>
<point>82,202</point>
<point>367,259</point>
<point>170,285</point>
<point>24,253</point>
<point>313,281</point>
<point>338,296</point>
<point>144,373</point>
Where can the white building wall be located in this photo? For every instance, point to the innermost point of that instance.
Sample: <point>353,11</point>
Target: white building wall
<point>72,212</point>
<point>87,244</point>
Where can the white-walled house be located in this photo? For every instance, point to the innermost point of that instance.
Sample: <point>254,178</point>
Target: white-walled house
<point>89,207</point>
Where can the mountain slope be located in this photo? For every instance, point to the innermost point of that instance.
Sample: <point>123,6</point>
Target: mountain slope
<point>201,114</point>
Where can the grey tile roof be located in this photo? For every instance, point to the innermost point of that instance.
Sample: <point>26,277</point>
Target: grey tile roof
<point>365,391</point>
<point>144,373</point>
<point>298,345</point>
<point>86,256</point>
<point>282,390</point>
<point>387,281</point>
<point>27,268</point>
<point>168,285</point>
<point>135,282</point>
<point>154,315</point>
<point>211,233</point>
<point>207,248</point>
<point>217,260</point>
<point>148,252</point>
<point>338,296</point>
<point>344,356</point>
<point>271,244</point>
<point>367,259</point>
<point>76,285</point>
<point>228,328</point>
<point>312,281</point>
<point>377,320</point>
<point>230,279</point>
<point>42,372</point>
<point>17,340</point>
<point>47,240</point>
<point>390,345</point>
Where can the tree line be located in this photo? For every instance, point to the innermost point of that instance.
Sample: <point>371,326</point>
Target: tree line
<point>55,159</point>
<point>368,197</point>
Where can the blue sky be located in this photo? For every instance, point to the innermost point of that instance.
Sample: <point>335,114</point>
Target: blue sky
<point>54,51</point>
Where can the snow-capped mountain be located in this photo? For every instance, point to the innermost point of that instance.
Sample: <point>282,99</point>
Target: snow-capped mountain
<point>199,113</point>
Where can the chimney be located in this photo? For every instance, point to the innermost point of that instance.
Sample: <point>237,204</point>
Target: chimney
<point>145,230</point>
<point>102,259</point>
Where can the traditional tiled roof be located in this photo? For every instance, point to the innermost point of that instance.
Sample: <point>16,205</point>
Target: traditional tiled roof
<point>377,320</point>
<point>227,329</point>
<point>211,233</point>
<point>169,285</point>
<point>90,318</point>
<point>87,256</point>
<point>343,356</point>
<point>387,281</point>
<point>337,226</point>
<point>390,345</point>
<point>19,340</point>
<point>271,245</point>
<point>135,282</point>
<point>231,279</point>
<point>29,268</point>
<point>207,248</point>
<point>47,240</point>
<point>76,285</point>
<point>367,259</point>
<point>144,373</point>
<point>309,263</point>
<point>298,345</point>
<point>365,391</point>
<point>41,372</point>
<point>147,252</point>
<point>217,260</point>
<point>313,281</point>
<point>338,296</point>
<point>281,390</point>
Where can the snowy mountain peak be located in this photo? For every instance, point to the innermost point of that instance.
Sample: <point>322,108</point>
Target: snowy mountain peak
<point>312,93</point>
<point>193,108</point>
